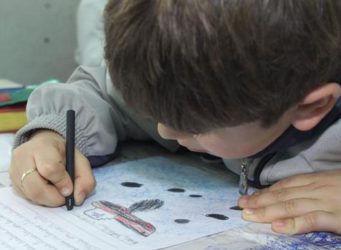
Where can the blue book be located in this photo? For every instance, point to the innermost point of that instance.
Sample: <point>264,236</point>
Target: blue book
<point>7,86</point>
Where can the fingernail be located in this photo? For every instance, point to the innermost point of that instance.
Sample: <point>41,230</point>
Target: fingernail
<point>80,198</point>
<point>282,226</point>
<point>248,211</point>
<point>66,191</point>
<point>279,223</point>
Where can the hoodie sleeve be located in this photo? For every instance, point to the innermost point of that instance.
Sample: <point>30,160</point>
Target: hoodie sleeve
<point>100,123</point>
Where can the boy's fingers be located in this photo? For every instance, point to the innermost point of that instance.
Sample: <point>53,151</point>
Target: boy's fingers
<point>293,181</point>
<point>314,221</point>
<point>18,191</point>
<point>51,166</point>
<point>37,189</point>
<point>18,168</point>
<point>283,210</point>
<point>304,180</point>
<point>84,180</point>
<point>274,196</point>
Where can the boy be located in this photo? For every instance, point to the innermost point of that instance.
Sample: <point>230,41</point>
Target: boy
<point>254,82</point>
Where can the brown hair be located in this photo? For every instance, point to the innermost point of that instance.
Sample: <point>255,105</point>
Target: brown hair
<point>195,65</point>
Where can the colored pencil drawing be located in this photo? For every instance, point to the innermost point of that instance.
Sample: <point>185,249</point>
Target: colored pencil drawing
<point>310,241</point>
<point>189,191</point>
<point>105,210</point>
<point>322,239</point>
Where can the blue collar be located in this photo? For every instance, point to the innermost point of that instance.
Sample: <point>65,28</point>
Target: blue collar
<point>293,136</point>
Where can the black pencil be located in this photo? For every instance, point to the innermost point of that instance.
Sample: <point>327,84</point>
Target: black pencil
<point>70,154</point>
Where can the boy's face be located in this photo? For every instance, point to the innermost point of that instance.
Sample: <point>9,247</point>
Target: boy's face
<point>230,142</point>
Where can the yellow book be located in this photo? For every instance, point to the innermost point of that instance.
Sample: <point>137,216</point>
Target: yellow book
<point>12,118</point>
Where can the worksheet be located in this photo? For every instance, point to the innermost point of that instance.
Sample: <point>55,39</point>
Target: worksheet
<point>6,141</point>
<point>256,236</point>
<point>145,204</point>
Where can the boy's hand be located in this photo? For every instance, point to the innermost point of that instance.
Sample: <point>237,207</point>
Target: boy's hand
<point>49,183</point>
<point>299,204</point>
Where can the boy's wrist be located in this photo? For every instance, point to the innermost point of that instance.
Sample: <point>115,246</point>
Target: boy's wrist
<point>44,132</point>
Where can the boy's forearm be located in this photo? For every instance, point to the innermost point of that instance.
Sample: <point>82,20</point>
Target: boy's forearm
<point>96,119</point>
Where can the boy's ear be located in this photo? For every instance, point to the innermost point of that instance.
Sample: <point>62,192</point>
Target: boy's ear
<point>315,106</point>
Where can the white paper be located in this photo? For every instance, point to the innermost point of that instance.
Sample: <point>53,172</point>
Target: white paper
<point>6,141</point>
<point>95,225</point>
<point>4,180</point>
<point>255,236</point>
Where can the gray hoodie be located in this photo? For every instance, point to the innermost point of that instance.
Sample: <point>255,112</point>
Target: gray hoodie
<point>103,120</point>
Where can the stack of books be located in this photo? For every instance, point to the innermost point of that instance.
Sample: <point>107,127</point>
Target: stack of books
<point>13,99</point>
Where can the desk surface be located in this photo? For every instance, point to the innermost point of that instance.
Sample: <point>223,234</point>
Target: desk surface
<point>4,179</point>
<point>252,236</point>
<point>5,154</point>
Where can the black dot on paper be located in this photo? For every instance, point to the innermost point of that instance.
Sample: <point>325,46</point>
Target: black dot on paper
<point>181,221</point>
<point>195,195</point>
<point>176,190</point>
<point>236,208</point>
<point>217,216</point>
<point>131,184</point>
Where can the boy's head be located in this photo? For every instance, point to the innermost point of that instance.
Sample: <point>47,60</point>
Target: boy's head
<point>201,66</point>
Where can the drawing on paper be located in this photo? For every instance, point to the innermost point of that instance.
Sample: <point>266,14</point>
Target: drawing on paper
<point>105,210</point>
<point>323,239</point>
<point>314,240</point>
<point>131,184</point>
<point>217,216</point>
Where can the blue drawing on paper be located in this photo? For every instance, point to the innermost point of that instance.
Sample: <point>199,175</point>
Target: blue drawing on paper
<point>186,190</point>
<point>310,241</point>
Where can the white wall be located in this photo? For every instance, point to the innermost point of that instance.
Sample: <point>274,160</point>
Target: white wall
<point>37,39</point>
